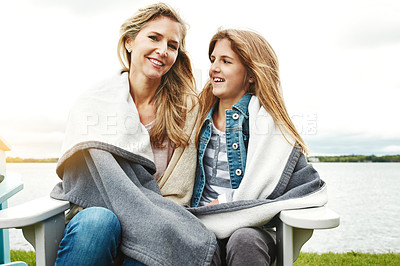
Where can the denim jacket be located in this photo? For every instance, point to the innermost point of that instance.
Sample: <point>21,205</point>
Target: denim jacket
<point>277,178</point>
<point>237,139</point>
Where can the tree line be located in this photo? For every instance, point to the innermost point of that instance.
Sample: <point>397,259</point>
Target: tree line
<point>355,158</point>
<point>324,159</point>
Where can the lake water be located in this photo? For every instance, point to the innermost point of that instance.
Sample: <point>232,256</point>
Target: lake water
<point>366,196</point>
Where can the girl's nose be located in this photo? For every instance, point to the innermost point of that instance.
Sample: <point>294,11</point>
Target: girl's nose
<point>214,67</point>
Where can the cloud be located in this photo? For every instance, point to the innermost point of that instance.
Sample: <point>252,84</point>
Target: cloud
<point>34,144</point>
<point>339,60</point>
<point>49,148</point>
<point>33,123</point>
<point>370,24</point>
<point>353,144</point>
<point>88,7</point>
<point>392,149</point>
<point>33,136</point>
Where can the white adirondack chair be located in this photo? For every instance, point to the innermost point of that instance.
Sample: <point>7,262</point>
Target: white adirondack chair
<point>42,220</point>
<point>296,227</point>
<point>42,223</point>
<point>8,188</point>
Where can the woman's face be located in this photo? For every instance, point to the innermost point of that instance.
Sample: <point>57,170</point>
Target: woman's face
<point>227,73</point>
<point>155,48</point>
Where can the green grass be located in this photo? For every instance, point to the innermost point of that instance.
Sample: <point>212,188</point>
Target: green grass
<point>26,256</point>
<point>350,258</point>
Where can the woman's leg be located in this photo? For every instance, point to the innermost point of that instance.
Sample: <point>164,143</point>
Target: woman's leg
<point>251,246</point>
<point>90,238</point>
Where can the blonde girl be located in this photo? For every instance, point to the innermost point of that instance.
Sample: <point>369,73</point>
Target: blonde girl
<point>243,73</point>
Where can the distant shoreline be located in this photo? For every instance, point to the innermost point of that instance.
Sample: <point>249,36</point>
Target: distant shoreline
<point>356,159</point>
<point>30,160</point>
<point>312,159</point>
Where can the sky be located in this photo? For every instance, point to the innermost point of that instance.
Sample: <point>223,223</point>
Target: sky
<point>339,63</point>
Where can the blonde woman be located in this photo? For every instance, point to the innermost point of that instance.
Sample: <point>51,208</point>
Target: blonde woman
<point>129,155</point>
<point>251,163</point>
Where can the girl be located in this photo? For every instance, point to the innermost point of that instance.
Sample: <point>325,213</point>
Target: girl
<point>130,145</point>
<point>248,149</point>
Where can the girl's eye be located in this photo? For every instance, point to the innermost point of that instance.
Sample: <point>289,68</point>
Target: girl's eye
<point>173,47</point>
<point>212,60</point>
<point>154,38</point>
<point>226,62</point>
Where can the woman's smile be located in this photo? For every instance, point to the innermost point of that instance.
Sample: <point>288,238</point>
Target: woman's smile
<point>154,49</point>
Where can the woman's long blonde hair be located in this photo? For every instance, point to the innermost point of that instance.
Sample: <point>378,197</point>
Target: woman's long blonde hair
<point>261,63</point>
<point>177,85</point>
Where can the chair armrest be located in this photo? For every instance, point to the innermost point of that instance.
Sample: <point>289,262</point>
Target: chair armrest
<point>32,212</point>
<point>310,218</point>
<point>295,227</point>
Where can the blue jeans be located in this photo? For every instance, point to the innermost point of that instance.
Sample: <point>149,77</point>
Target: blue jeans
<point>91,238</point>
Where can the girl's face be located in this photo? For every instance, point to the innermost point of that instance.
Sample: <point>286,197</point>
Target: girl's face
<point>155,48</point>
<point>227,73</point>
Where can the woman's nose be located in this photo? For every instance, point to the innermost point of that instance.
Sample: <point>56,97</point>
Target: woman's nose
<point>162,50</point>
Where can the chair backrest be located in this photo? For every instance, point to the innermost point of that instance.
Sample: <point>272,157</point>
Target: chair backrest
<point>8,187</point>
<point>3,148</point>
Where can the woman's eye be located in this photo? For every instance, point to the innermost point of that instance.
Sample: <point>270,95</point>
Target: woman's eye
<point>226,62</point>
<point>154,38</point>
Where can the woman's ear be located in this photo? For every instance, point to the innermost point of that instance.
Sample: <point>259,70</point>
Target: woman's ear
<point>128,45</point>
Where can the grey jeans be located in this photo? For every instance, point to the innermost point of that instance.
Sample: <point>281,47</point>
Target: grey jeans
<point>246,246</point>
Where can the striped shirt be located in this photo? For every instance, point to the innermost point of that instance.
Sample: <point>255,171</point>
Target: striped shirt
<point>216,168</point>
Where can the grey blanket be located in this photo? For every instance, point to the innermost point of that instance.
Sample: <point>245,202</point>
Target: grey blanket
<point>299,187</point>
<point>155,230</point>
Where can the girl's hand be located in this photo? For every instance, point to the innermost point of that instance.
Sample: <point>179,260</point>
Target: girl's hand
<point>213,202</point>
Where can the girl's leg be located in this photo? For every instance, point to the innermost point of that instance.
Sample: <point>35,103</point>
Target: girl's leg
<point>251,246</point>
<point>90,238</point>
<point>220,253</point>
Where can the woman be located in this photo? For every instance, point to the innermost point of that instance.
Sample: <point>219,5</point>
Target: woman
<point>130,145</point>
<point>250,161</point>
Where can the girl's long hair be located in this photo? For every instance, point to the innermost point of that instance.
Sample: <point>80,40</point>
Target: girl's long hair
<point>177,85</point>
<point>261,63</point>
